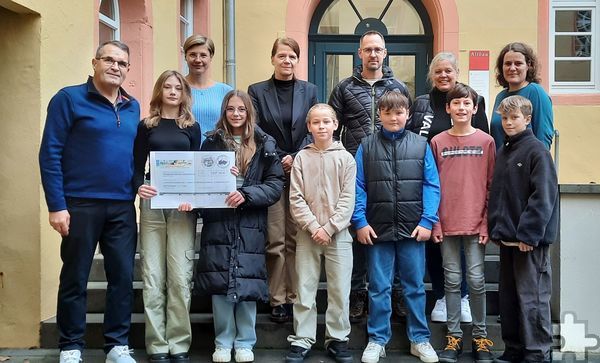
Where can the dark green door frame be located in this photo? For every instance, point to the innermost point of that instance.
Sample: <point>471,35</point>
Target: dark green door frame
<point>319,49</point>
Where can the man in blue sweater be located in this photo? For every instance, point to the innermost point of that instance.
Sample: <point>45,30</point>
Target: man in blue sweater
<point>86,164</point>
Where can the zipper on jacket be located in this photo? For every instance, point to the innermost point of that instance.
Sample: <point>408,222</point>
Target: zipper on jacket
<point>373,105</point>
<point>395,228</point>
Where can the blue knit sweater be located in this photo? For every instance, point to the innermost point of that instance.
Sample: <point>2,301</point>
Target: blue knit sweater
<point>542,117</point>
<point>206,106</point>
<point>87,146</point>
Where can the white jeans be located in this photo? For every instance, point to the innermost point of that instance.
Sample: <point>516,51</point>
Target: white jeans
<point>167,250</point>
<point>338,269</point>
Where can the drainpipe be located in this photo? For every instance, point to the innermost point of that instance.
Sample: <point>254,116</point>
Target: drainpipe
<point>229,6</point>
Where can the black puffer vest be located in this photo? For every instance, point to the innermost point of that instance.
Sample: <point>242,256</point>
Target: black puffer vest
<point>394,180</point>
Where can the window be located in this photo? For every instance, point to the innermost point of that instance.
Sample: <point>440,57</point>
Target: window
<point>186,26</point>
<point>399,16</point>
<point>574,42</point>
<point>109,22</point>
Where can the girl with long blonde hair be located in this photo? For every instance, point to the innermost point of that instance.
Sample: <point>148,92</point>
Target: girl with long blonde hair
<point>166,235</point>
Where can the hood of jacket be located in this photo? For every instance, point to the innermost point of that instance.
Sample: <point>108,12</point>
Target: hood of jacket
<point>335,146</point>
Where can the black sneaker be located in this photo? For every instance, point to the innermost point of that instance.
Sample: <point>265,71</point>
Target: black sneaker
<point>358,302</point>
<point>296,354</point>
<point>180,358</point>
<point>279,314</point>
<point>481,350</point>
<point>453,349</point>
<point>159,358</point>
<point>339,351</point>
<point>398,305</point>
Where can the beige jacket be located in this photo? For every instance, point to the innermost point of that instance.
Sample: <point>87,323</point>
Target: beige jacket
<point>322,188</point>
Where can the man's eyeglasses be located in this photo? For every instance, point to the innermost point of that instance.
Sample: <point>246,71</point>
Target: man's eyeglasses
<point>377,51</point>
<point>109,61</point>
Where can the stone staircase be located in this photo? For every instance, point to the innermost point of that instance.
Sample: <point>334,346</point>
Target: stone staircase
<point>270,335</point>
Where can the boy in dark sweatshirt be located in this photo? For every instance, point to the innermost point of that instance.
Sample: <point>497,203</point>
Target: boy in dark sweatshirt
<point>523,219</point>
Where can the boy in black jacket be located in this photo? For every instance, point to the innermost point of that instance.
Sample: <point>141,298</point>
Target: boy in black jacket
<point>523,219</point>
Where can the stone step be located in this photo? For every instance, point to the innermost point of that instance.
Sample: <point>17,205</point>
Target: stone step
<point>202,304</point>
<point>269,335</point>
<point>492,269</point>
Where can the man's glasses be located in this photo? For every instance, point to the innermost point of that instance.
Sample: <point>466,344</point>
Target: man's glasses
<point>109,61</point>
<point>377,51</point>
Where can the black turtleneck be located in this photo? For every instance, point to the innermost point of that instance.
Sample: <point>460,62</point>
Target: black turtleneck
<point>285,98</point>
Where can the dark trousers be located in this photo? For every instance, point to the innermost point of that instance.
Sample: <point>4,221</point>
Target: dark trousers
<point>525,289</point>
<point>111,223</point>
<point>435,269</point>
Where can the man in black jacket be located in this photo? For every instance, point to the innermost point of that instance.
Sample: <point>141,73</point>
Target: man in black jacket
<point>354,100</point>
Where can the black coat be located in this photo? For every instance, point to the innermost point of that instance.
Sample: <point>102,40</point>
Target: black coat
<point>523,204</point>
<point>264,99</point>
<point>355,103</point>
<point>232,252</point>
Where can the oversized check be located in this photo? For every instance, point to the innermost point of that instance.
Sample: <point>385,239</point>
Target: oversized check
<point>202,178</point>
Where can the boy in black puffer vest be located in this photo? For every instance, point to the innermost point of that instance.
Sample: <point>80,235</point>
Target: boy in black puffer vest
<point>397,197</point>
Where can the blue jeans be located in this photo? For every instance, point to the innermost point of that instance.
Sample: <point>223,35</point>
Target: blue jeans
<point>382,257</point>
<point>234,323</point>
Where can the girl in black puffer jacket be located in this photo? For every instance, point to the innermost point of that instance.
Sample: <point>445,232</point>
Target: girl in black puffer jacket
<point>232,257</point>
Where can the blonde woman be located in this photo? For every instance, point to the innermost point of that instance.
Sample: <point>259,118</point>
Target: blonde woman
<point>207,94</point>
<point>166,235</point>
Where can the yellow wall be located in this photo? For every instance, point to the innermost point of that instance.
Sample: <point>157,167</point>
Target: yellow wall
<point>258,24</point>
<point>216,33</point>
<point>45,48</point>
<point>19,195</point>
<point>165,32</point>
<point>579,154</point>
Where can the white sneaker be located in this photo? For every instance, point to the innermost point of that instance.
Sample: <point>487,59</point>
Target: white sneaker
<point>439,313</point>
<point>244,355</point>
<point>372,353</point>
<point>222,355</point>
<point>70,356</point>
<point>424,351</point>
<point>465,310</point>
<point>119,354</point>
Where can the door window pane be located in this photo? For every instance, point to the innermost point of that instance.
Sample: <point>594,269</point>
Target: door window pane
<point>572,71</point>
<point>403,67</point>
<point>338,67</point>
<point>400,18</point>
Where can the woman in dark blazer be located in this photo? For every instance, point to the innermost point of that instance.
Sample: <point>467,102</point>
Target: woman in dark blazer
<point>281,105</point>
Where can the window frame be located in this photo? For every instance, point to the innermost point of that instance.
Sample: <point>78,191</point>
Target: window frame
<point>188,21</point>
<point>575,87</point>
<point>115,23</point>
